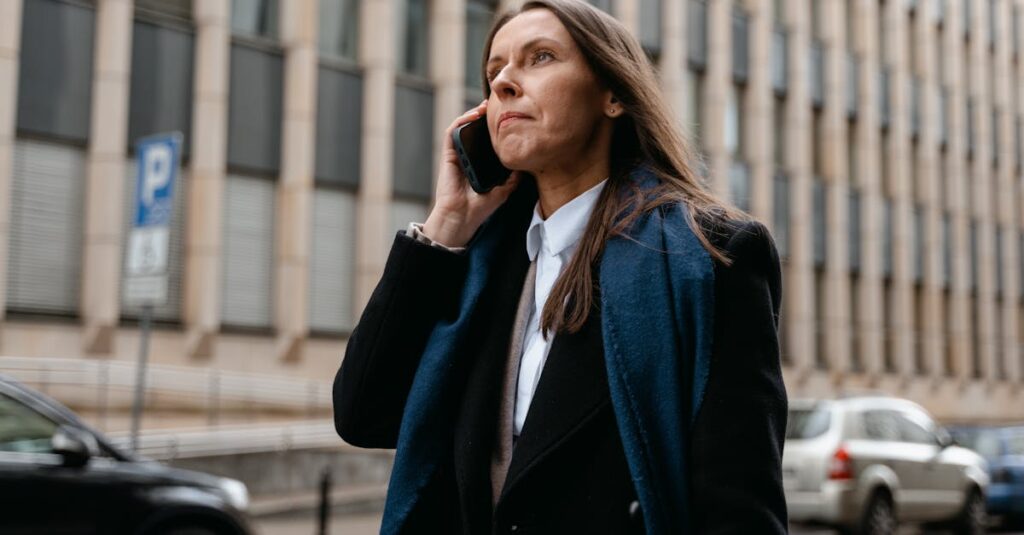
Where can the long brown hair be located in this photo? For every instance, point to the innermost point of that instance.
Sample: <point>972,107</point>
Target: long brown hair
<point>644,135</point>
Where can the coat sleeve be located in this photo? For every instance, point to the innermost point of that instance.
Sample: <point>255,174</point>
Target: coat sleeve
<point>736,449</point>
<point>420,286</point>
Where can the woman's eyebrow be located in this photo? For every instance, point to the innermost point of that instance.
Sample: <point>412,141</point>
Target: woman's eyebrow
<point>529,44</point>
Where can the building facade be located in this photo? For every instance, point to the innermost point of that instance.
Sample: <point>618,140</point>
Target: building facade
<point>880,140</point>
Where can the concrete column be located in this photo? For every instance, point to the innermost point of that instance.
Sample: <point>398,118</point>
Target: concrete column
<point>960,318</point>
<point>836,316</point>
<point>447,66</point>
<point>930,165</point>
<point>870,304</point>
<point>299,24</point>
<point>108,139</point>
<point>673,58</point>
<point>717,85</point>
<point>758,110</point>
<point>899,162</point>
<point>206,185</point>
<point>800,272</point>
<point>373,206</point>
<point>628,12</point>
<point>10,45</point>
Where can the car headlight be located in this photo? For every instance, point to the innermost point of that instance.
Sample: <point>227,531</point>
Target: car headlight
<point>236,493</point>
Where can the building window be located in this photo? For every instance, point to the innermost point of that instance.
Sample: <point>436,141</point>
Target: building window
<point>853,234</point>
<point>739,181</point>
<point>650,28</point>
<point>920,360</point>
<point>734,122</point>
<point>332,263</point>
<point>181,9</point>
<point>850,7</point>
<point>697,26</point>
<point>740,45</point>
<point>695,91</point>
<point>949,346</point>
<point>247,282</point>
<point>887,237</point>
<point>779,127</point>
<point>819,207</point>
<point>479,16</point>
<point>339,28</point>
<point>780,61</point>
<point>821,360</point>
<point>255,18</point>
<point>852,85</point>
<point>888,329</point>
<point>604,5</point>
<point>45,234</point>
<point>918,245</point>
<point>856,360</point>
<point>414,37</point>
<point>780,213</point>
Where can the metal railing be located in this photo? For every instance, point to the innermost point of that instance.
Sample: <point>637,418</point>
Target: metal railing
<point>185,443</point>
<point>210,389</point>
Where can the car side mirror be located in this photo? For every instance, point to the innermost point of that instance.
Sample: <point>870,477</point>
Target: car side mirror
<point>75,445</point>
<point>946,440</point>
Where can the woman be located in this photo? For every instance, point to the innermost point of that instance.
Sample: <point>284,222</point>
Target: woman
<point>589,348</point>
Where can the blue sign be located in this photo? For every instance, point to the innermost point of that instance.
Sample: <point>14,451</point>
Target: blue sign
<point>158,161</point>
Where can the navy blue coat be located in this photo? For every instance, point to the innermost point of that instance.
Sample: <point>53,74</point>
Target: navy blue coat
<point>665,414</point>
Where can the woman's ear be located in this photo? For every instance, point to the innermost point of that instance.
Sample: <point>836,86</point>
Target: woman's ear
<point>613,108</point>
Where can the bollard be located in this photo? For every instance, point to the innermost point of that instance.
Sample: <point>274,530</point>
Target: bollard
<point>325,500</point>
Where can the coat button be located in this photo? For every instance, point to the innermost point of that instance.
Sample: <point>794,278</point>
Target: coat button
<point>634,509</point>
<point>513,528</point>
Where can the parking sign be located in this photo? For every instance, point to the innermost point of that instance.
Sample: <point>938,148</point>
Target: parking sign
<point>159,158</point>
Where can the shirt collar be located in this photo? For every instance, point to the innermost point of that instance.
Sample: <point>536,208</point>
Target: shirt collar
<point>563,228</point>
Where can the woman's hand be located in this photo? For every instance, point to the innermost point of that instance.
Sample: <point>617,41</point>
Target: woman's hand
<point>459,211</point>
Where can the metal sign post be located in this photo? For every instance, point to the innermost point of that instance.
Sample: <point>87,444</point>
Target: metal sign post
<point>159,158</point>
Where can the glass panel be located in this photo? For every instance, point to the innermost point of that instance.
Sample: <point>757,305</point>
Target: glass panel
<point>697,22</point>
<point>739,182</point>
<point>22,429</point>
<point>883,97</point>
<point>915,105</point>
<point>650,27</point>
<point>947,250</point>
<point>779,60</point>
<point>853,233</point>
<point>881,425</point>
<point>807,423</point>
<point>479,15</point>
<point>733,127</point>
<point>413,37</point>
<point>780,194</point>
<point>339,28</point>
<point>254,17</point>
<point>819,200</point>
<point>918,243</point>
<point>852,87</point>
<point>817,72</point>
<point>740,45</point>
<point>887,240</point>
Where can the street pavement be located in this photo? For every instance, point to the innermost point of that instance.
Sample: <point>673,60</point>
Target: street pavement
<point>369,524</point>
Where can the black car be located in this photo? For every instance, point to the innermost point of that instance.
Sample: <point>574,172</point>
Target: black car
<point>58,475</point>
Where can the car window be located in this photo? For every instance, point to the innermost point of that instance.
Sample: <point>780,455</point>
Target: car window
<point>1015,445</point>
<point>808,423</point>
<point>911,431</point>
<point>22,429</point>
<point>881,425</point>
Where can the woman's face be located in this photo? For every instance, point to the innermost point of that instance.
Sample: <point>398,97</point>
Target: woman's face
<point>546,105</point>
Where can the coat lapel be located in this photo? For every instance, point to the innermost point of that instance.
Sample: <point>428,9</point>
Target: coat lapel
<point>478,416</point>
<point>571,391</point>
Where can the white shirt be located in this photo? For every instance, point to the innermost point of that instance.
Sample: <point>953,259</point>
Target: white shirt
<point>551,243</point>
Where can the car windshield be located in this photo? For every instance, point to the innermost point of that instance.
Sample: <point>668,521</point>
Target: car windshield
<point>807,423</point>
<point>23,429</point>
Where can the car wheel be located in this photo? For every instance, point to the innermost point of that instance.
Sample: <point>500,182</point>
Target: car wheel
<point>973,518</point>
<point>879,517</point>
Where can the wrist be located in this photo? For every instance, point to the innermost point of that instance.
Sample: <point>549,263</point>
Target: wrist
<point>445,229</point>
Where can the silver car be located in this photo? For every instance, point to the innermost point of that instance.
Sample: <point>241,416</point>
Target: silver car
<point>868,464</point>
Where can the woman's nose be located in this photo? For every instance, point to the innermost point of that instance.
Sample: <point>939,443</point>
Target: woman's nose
<point>504,84</point>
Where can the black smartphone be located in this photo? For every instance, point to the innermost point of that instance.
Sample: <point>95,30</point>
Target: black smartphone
<point>476,155</point>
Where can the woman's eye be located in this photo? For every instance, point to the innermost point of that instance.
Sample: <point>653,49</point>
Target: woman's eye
<point>541,54</point>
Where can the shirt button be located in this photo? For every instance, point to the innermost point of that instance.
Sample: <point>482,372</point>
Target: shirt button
<point>634,508</point>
